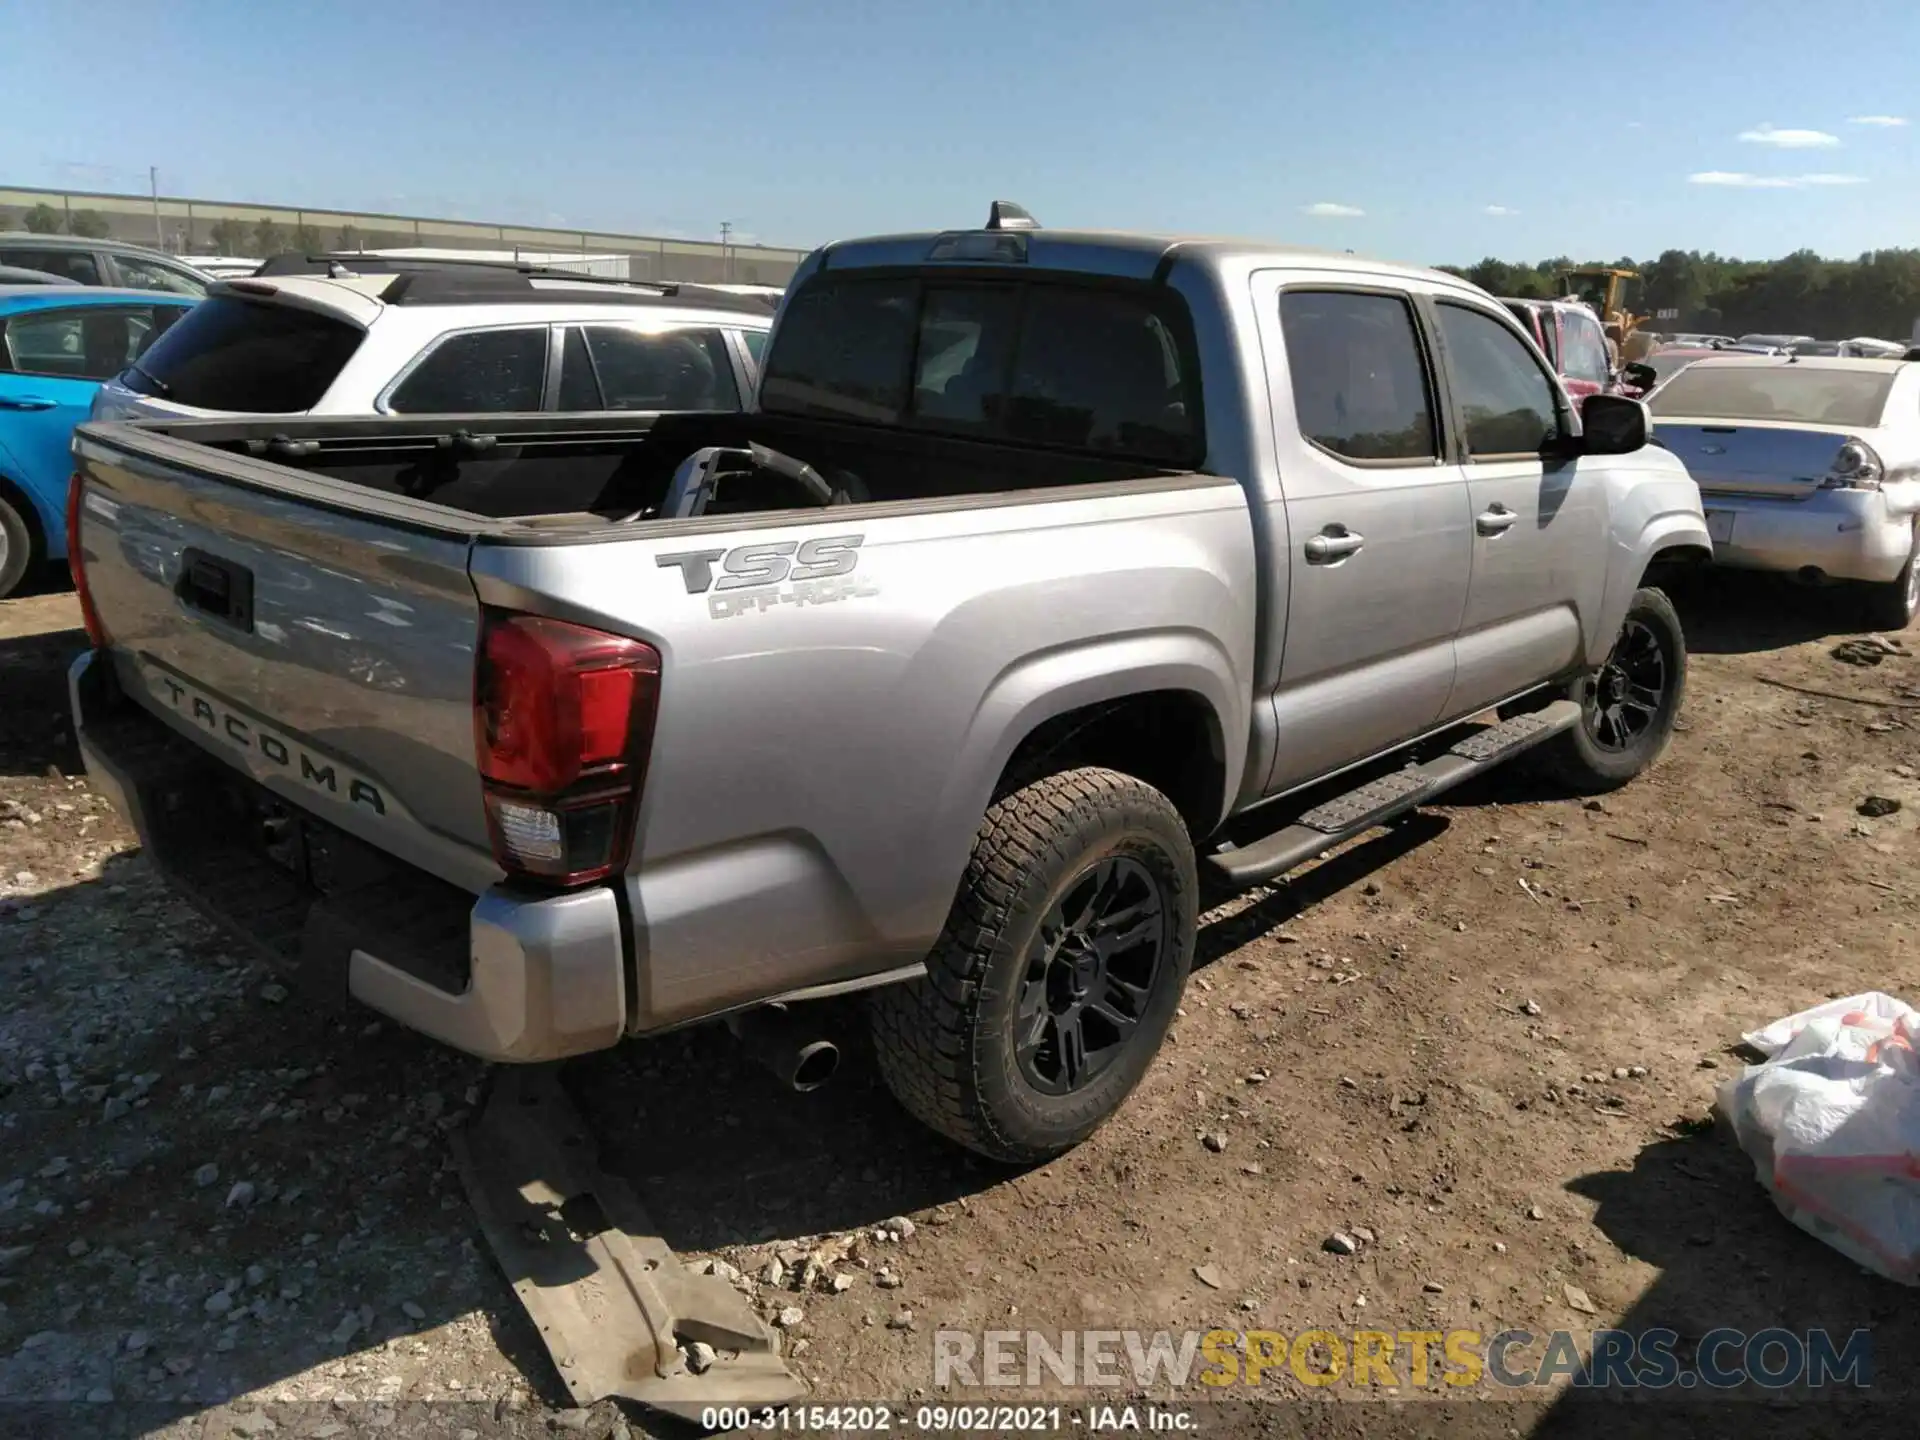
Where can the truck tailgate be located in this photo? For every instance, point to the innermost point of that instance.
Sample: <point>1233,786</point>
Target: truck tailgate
<point>328,653</point>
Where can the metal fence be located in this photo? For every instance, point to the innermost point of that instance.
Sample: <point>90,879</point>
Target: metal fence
<point>214,227</point>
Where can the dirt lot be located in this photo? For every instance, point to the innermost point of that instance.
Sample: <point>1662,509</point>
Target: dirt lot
<point>240,1216</point>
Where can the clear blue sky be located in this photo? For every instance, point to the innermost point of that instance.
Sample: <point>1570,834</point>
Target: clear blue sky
<point>1592,123</point>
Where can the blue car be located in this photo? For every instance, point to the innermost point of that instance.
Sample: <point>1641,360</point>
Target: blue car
<point>57,343</point>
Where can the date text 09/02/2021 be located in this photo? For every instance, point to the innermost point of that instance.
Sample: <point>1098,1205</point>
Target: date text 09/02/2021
<point>946,1419</point>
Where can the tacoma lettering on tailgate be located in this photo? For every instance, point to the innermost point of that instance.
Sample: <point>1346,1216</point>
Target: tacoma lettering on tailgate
<point>316,771</point>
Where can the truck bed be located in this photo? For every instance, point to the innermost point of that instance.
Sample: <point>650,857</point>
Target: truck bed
<point>456,474</point>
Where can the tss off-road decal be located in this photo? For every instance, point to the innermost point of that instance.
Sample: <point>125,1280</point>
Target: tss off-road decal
<point>756,578</point>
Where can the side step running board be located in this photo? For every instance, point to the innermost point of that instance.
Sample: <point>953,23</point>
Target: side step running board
<point>1337,821</point>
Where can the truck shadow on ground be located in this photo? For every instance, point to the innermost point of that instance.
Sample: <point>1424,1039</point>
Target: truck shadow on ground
<point>1727,1259</point>
<point>35,730</point>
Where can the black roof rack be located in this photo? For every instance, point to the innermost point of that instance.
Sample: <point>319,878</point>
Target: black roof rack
<point>361,262</point>
<point>441,280</point>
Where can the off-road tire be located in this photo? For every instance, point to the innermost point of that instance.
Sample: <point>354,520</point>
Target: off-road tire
<point>1576,758</point>
<point>945,1043</point>
<point>16,549</point>
<point>1892,606</point>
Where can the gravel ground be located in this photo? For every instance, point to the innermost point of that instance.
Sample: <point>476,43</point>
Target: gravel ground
<point>1480,1051</point>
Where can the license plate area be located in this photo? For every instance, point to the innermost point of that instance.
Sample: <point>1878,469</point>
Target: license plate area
<point>1720,526</point>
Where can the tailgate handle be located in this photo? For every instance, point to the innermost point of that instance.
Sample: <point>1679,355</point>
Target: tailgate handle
<point>216,587</point>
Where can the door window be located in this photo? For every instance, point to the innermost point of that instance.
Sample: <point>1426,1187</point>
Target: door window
<point>90,343</point>
<point>664,370</point>
<point>76,265</point>
<point>1360,387</point>
<point>1508,404</point>
<point>151,275</point>
<point>485,372</point>
<point>1584,349</point>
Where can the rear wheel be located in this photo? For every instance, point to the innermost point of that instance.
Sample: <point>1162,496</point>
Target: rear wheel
<point>1053,984</point>
<point>1892,606</point>
<point>1628,705</point>
<point>16,549</point>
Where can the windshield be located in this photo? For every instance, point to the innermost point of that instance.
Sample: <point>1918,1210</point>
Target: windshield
<point>1853,398</point>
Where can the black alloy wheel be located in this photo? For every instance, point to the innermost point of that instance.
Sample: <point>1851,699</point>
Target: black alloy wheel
<point>1089,974</point>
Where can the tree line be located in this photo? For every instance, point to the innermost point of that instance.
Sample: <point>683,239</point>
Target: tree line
<point>1800,294</point>
<point>262,237</point>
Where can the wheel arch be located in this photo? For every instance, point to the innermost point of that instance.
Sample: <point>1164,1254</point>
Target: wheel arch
<point>20,500</point>
<point>1674,534</point>
<point>1097,704</point>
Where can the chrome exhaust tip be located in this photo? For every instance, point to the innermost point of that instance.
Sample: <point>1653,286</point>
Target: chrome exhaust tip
<point>797,1055</point>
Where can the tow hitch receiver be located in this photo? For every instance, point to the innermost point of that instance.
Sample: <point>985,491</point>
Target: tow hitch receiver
<point>614,1304</point>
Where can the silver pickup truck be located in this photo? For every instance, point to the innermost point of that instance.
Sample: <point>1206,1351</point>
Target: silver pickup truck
<point>1053,575</point>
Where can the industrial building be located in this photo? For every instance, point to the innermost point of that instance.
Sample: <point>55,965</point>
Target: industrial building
<point>223,227</point>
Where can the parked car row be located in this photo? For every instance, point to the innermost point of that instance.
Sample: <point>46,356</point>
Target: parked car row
<point>319,338</point>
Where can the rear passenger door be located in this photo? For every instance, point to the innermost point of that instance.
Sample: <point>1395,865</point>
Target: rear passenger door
<point>1379,535</point>
<point>1539,520</point>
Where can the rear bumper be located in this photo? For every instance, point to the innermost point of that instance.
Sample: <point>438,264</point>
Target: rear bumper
<point>1844,534</point>
<point>510,976</point>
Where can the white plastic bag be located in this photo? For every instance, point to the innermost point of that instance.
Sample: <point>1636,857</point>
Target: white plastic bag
<point>1831,1121</point>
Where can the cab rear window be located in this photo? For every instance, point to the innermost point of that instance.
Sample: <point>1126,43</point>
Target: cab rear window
<point>1089,368</point>
<point>233,354</point>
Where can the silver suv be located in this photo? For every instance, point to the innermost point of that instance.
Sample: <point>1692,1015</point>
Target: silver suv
<point>78,260</point>
<point>467,339</point>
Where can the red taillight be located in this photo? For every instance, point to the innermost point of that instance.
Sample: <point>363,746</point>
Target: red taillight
<point>77,563</point>
<point>562,723</point>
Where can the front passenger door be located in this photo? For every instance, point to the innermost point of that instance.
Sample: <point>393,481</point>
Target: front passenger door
<point>1539,519</point>
<point>1378,532</point>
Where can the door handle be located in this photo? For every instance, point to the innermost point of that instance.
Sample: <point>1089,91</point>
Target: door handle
<point>24,402</point>
<point>1336,542</point>
<point>1496,519</point>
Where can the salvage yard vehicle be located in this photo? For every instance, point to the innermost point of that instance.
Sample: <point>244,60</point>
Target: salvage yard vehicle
<point>57,343</point>
<point>1569,335</point>
<point>1051,574</point>
<point>80,260</point>
<point>439,338</point>
<point>1807,465</point>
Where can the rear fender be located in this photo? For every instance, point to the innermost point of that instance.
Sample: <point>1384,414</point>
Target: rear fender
<point>1039,687</point>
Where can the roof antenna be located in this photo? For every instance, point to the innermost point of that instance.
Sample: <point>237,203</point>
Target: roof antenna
<point>1005,215</point>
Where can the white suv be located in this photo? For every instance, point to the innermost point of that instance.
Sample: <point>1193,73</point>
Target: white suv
<point>455,340</point>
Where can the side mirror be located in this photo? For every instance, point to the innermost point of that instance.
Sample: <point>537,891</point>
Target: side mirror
<point>1641,376</point>
<point>1613,425</point>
